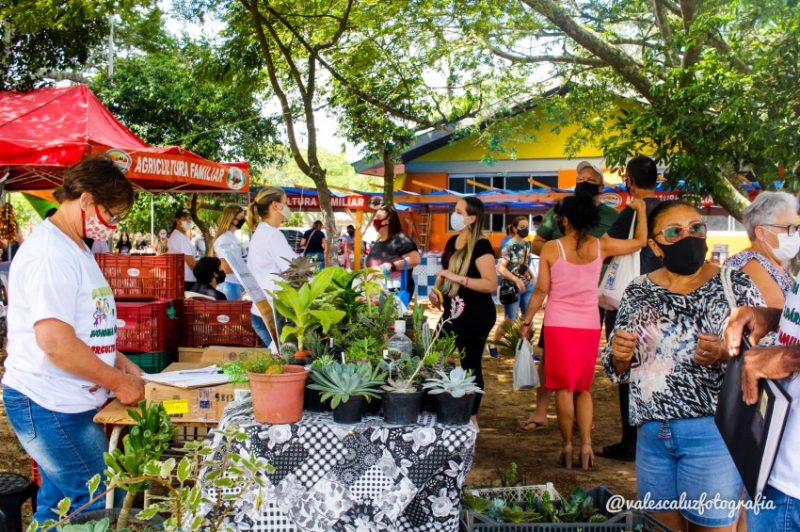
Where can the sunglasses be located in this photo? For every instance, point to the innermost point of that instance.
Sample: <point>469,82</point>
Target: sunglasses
<point>791,229</point>
<point>676,233</point>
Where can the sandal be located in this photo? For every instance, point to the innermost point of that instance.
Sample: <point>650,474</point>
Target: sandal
<point>531,424</point>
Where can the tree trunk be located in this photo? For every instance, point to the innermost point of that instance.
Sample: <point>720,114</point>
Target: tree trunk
<point>317,175</point>
<point>388,176</point>
<point>194,207</point>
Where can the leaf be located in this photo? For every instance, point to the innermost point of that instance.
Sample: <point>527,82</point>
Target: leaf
<point>147,514</point>
<point>93,483</point>
<point>64,506</point>
<point>184,469</point>
<point>166,468</point>
<point>328,318</point>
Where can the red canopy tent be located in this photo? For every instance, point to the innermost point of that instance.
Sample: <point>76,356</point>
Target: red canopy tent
<point>46,130</point>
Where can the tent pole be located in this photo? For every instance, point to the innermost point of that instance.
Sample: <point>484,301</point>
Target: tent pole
<point>152,222</point>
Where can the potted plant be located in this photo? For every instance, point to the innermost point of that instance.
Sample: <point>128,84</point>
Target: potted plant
<point>347,385</point>
<point>313,398</point>
<point>276,388</point>
<point>402,396</point>
<point>146,441</point>
<point>455,392</point>
<point>306,309</point>
<point>367,350</point>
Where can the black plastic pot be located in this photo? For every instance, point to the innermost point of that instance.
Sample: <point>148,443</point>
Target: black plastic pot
<point>453,410</point>
<point>312,401</point>
<point>428,402</point>
<point>373,407</point>
<point>401,408</point>
<point>350,412</point>
<point>113,513</point>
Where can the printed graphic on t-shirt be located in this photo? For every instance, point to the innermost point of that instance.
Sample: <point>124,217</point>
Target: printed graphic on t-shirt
<point>789,330</point>
<point>104,322</point>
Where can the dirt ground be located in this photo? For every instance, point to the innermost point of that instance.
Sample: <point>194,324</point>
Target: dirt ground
<point>500,441</point>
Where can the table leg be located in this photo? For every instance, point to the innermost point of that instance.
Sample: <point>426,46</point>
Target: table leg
<point>113,440</point>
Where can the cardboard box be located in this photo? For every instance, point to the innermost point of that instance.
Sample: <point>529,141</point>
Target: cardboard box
<point>215,354</point>
<point>193,405</point>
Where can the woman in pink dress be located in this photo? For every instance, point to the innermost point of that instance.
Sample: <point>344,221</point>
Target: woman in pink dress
<point>569,272</point>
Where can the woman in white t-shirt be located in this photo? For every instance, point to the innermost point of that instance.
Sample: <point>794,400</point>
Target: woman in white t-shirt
<point>231,220</point>
<point>179,242</point>
<point>62,356</point>
<point>270,252</point>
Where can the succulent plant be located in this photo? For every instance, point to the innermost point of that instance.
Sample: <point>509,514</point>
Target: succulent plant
<point>458,383</point>
<point>338,382</point>
<point>300,271</point>
<point>403,371</point>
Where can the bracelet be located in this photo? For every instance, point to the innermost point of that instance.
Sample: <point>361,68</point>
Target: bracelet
<point>466,282</point>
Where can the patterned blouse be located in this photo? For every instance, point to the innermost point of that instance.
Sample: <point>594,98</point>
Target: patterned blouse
<point>666,382</point>
<point>517,255</point>
<point>779,275</point>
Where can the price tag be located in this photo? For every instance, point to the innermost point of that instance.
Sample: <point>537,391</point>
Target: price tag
<point>175,407</point>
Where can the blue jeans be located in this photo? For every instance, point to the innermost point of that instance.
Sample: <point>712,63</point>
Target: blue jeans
<point>261,329</point>
<point>521,304</point>
<point>777,512</point>
<point>687,459</point>
<point>232,291</point>
<point>68,448</point>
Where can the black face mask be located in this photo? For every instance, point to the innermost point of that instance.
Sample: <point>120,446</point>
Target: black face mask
<point>220,276</point>
<point>239,223</point>
<point>522,232</point>
<point>686,256</point>
<point>584,187</point>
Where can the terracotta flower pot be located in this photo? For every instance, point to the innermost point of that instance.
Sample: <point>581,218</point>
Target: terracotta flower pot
<point>278,399</point>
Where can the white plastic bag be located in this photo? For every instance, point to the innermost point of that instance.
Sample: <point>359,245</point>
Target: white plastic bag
<point>619,274</point>
<point>526,377</point>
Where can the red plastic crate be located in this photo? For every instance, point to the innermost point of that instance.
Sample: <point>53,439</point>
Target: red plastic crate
<point>217,323</point>
<point>143,276</point>
<point>148,326</point>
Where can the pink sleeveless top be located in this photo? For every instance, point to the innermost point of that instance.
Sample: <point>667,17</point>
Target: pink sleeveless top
<point>573,299</point>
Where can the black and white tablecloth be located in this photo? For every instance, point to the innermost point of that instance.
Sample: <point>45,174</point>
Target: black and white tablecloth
<point>364,477</point>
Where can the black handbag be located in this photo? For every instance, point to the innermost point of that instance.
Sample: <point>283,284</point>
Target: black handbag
<point>508,293</point>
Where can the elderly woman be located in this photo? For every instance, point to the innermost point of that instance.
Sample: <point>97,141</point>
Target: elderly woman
<point>667,343</point>
<point>62,357</point>
<point>771,223</point>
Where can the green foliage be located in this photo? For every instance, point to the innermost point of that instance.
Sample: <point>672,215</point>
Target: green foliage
<point>371,321</point>
<point>302,307</point>
<point>251,362</point>
<point>579,508</point>
<point>315,345</point>
<point>365,350</point>
<point>338,382</point>
<point>507,343</point>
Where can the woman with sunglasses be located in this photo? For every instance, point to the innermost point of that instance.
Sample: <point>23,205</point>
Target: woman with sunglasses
<point>667,342</point>
<point>771,223</point>
<point>62,329</point>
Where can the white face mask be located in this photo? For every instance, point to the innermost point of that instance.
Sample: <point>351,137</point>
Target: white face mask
<point>788,247</point>
<point>286,212</point>
<point>457,221</point>
<point>187,225</point>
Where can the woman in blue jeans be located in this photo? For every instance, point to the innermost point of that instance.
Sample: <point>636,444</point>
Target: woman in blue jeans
<point>62,357</point>
<point>667,342</point>
<point>269,252</point>
<point>514,266</point>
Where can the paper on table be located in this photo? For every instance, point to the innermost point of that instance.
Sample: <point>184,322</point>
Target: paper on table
<point>190,378</point>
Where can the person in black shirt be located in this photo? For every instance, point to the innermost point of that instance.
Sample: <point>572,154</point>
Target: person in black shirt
<point>314,243</point>
<point>394,252</point>
<point>467,282</point>
<point>640,178</point>
<point>124,243</point>
<point>208,272</point>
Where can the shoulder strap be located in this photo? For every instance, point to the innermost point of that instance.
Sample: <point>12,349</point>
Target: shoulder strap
<point>308,241</point>
<point>599,250</point>
<point>561,251</point>
<point>632,230</point>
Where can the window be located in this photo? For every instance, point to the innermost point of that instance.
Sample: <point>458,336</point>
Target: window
<point>511,182</point>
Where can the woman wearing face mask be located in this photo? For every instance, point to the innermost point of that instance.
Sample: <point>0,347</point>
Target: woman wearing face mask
<point>179,242</point>
<point>771,223</point>
<point>162,245</point>
<point>269,253</point>
<point>124,244</point>
<point>666,342</point>
<point>467,282</point>
<point>232,219</point>
<point>393,252</point>
<point>62,358</point>
<point>569,271</point>
<point>514,267</point>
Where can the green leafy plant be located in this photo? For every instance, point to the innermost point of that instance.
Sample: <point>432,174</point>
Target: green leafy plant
<point>403,373</point>
<point>201,490</point>
<point>146,441</point>
<point>367,349</point>
<point>340,381</point>
<point>507,343</point>
<point>316,346</point>
<point>324,360</point>
<point>422,331</point>
<point>374,322</point>
<point>458,383</point>
<point>351,296</point>
<point>301,307</point>
<point>251,362</point>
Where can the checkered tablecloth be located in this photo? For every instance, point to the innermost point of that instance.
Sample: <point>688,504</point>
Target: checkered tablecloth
<point>369,476</point>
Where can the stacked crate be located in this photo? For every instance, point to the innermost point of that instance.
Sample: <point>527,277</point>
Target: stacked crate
<point>225,323</point>
<point>148,291</point>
